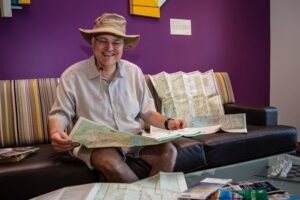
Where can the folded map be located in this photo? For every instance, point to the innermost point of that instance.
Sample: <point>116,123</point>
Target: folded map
<point>234,123</point>
<point>93,135</point>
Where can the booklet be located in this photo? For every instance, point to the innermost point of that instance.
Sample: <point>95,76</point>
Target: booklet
<point>259,194</point>
<point>93,135</point>
<point>254,185</point>
<point>15,154</point>
<point>204,188</point>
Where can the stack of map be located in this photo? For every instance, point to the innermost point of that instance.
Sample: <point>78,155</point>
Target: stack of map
<point>15,154</point>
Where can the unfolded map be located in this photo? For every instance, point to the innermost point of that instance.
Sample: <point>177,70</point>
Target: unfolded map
<point>94,135</point>
<point>188,95</point>
<point>195,97</point>
<point>163,186</point>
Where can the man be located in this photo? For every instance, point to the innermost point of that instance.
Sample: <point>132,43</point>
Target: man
<point>112,91</point>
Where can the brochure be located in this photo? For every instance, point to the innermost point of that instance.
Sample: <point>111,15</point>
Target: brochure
<point>15,154</point>
<point>205,188</point>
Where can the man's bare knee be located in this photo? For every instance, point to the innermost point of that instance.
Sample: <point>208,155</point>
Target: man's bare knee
<point>164,154</point>
<point>161,157</point>
<point>105,161</point>
<point>112,165</point>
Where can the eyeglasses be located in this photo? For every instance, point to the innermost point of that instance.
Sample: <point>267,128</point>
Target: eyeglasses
<point>104,42</point>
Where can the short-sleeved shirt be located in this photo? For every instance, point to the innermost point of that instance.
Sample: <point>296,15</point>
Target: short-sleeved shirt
<point>120,104</point>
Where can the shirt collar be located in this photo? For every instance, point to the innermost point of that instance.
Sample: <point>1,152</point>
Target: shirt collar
<point>92,71</point>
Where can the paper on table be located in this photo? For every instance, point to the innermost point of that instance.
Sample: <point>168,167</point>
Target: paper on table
<point>205,188</point>
<point>78,192</point>
<point>164,186</point>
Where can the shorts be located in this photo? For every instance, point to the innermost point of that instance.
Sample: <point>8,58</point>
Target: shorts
<point>84,154</point>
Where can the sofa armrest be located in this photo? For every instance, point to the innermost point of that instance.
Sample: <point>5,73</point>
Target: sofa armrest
<point>255,115</point>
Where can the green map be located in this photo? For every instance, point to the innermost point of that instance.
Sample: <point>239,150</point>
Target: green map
<point>195,97</point>
<point>162,186</point>
<point>228,123</point>
<point>94,135</point>
<point>188,95</point>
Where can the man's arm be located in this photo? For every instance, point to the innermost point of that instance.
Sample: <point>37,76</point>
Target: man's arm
<point>157,120</point>
<point>59,139</point>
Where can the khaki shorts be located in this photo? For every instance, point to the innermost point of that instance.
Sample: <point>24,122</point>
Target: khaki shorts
<point>84,154</point>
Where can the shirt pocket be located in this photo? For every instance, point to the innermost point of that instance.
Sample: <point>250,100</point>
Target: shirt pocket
<point>128,105</point>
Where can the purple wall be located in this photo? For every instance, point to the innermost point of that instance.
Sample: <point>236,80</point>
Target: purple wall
<point>233,36</point>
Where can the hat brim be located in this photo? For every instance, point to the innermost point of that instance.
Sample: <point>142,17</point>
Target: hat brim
<point>130,41</point>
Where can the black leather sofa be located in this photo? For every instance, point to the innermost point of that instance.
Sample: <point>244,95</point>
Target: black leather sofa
<point>46,170</point>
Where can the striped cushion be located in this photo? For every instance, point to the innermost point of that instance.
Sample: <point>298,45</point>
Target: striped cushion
<point>225,87</point>
<point>24,108</point>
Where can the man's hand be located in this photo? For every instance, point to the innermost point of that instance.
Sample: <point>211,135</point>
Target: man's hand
<point>157,120</point>
<point>61,142</point>
<point>175,124</point>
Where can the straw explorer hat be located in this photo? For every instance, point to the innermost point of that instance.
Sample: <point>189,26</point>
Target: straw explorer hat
<point>111,23</point>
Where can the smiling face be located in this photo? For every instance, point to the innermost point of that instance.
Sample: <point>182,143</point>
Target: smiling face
<point>108,50</point>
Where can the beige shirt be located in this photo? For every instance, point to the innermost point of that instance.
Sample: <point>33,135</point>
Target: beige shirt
<point>120,104</point>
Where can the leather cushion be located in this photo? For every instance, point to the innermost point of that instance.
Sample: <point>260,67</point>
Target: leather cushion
<point>42,172</point>
<point>191,155</point>
<point>227,148</point>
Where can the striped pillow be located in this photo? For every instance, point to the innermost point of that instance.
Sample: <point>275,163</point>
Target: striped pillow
<point>24,108</point>
<point>225,87</point>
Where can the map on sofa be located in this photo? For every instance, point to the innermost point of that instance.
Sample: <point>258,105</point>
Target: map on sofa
<point>233,123</point>
<point>188,95</point>
<point>93,135</point>
<point>195,97</point>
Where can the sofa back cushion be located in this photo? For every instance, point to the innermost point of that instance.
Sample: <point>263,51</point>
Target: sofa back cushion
<point>25,104</point>
<point>24,108</point>
<point>225,87</point>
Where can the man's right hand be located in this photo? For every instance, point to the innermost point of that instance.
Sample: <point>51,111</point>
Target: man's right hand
<point>61,142</point>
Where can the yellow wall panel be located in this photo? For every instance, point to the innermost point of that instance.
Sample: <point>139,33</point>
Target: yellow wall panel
<point>25,2</point>
<point>151,3</point>
<point>145,11</point>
